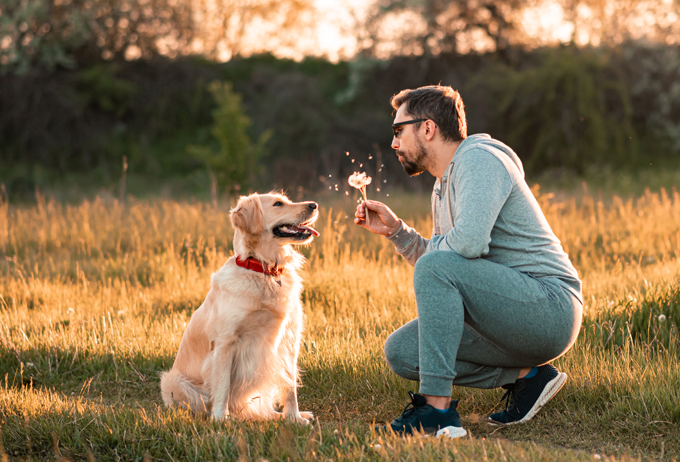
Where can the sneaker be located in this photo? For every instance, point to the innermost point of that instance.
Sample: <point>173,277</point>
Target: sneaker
<point>527,396</point>
<point>420,416</point>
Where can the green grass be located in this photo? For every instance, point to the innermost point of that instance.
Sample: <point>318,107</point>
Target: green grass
<point>95,297</point>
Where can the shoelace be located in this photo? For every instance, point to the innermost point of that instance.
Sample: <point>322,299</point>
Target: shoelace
<point>410,407</point>
<point>510,395</point>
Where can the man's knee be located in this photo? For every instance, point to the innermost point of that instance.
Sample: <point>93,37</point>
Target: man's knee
<point>395,356</point>
<point>436,264</point>
<point>392,356</point>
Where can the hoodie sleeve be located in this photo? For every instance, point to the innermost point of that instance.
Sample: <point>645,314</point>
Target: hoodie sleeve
<point>408,243</point>
<point>479,185</point>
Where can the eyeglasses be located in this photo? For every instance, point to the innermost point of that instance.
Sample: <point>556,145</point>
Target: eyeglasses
<point>397,127</point>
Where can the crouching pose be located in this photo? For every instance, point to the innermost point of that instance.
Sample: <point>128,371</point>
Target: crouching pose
<point>238,356</point>
<point>497,297</point>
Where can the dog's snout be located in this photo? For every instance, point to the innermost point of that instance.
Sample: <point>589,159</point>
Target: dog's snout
<point>313,206</point>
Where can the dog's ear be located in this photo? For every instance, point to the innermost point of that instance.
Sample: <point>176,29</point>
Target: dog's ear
<point>248,215</point>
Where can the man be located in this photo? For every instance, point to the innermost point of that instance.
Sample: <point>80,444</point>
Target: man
<point>497,296</point>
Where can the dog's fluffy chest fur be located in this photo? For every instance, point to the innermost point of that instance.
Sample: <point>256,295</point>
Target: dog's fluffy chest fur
<point>242,297</point>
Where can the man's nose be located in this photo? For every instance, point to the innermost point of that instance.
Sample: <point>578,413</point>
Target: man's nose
<point>395,143</point>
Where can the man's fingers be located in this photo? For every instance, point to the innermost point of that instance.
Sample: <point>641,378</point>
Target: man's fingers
<point>370,205</point>
<point>375,206</point>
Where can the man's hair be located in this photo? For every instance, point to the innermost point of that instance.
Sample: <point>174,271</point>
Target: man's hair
<point>441,104</point>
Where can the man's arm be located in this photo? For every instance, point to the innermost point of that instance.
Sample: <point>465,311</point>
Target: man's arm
<point>481,185</point>
<point>407,242</point>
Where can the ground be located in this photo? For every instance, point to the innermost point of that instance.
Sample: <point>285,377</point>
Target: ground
<point>95,295</point>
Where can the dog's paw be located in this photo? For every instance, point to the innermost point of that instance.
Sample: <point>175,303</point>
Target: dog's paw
<point>302,421</point>
<point>219,416</point>
<point>302,418</point>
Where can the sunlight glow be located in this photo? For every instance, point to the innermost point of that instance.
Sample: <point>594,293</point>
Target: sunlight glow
<point>334,25</point>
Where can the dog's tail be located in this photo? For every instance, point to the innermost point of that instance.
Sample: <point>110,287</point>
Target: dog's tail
<point>176,389</point>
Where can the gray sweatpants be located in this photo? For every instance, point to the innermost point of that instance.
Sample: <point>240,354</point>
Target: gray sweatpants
<point>479,323</point>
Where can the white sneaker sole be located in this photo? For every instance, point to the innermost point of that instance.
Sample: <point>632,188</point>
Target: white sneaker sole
<point>452,432</point>
<point>550,390</point>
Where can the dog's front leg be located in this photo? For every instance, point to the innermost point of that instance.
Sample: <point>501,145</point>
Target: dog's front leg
<point>220,378</point>
<point>291,410</point>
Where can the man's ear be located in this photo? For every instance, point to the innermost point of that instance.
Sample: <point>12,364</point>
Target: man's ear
<point>429,130</point>
<point>248,215</point>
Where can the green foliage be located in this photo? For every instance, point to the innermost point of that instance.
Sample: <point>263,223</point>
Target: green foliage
<point>39,33</point>
<point>100,85</point>
<point>236,162</point>
<point>570,111</point>
<point>654,75</point>
<point>47,34</point>
<point>86,119</point>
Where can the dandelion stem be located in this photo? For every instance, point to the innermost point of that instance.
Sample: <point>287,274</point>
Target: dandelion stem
<point>363,192</point>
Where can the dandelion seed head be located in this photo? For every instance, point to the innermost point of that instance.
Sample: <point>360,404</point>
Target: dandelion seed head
<point>359,180</point>
<point>662,318</point>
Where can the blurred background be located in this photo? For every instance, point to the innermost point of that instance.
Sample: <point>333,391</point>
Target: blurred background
<point>205,98</point>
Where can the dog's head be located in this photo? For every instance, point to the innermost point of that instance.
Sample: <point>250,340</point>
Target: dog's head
<point>266,220</point>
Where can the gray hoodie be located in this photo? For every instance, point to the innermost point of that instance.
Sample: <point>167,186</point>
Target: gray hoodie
<point>483,208</point>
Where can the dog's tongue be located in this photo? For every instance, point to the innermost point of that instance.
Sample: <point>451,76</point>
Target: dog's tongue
<point>302,228</point>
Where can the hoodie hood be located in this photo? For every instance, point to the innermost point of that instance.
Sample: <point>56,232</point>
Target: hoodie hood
<point>484,141</point>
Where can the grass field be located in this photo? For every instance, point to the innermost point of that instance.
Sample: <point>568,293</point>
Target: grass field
<point>94,298</point>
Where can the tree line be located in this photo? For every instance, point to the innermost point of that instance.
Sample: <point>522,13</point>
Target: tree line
<point>85,84</point>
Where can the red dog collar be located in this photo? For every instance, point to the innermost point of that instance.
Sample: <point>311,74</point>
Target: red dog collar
<point>254,264</point>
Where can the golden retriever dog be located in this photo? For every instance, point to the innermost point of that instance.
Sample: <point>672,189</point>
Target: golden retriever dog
<point>238,356</point>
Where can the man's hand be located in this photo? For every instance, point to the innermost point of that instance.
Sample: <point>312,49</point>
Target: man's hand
<point>383,221</point>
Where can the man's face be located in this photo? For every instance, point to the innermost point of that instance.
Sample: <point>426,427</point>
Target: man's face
<point>408,145</point>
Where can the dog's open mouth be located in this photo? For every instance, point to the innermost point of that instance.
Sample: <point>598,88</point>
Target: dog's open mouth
<point>300,231</point>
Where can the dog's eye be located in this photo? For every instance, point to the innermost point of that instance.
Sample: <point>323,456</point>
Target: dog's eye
<point>278,204</point>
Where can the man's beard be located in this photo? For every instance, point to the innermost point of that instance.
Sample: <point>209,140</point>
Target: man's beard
<point>416,165</point>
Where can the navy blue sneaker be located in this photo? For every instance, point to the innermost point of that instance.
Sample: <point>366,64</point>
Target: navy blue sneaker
<point>420,416</point>
<point>527,396</point>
